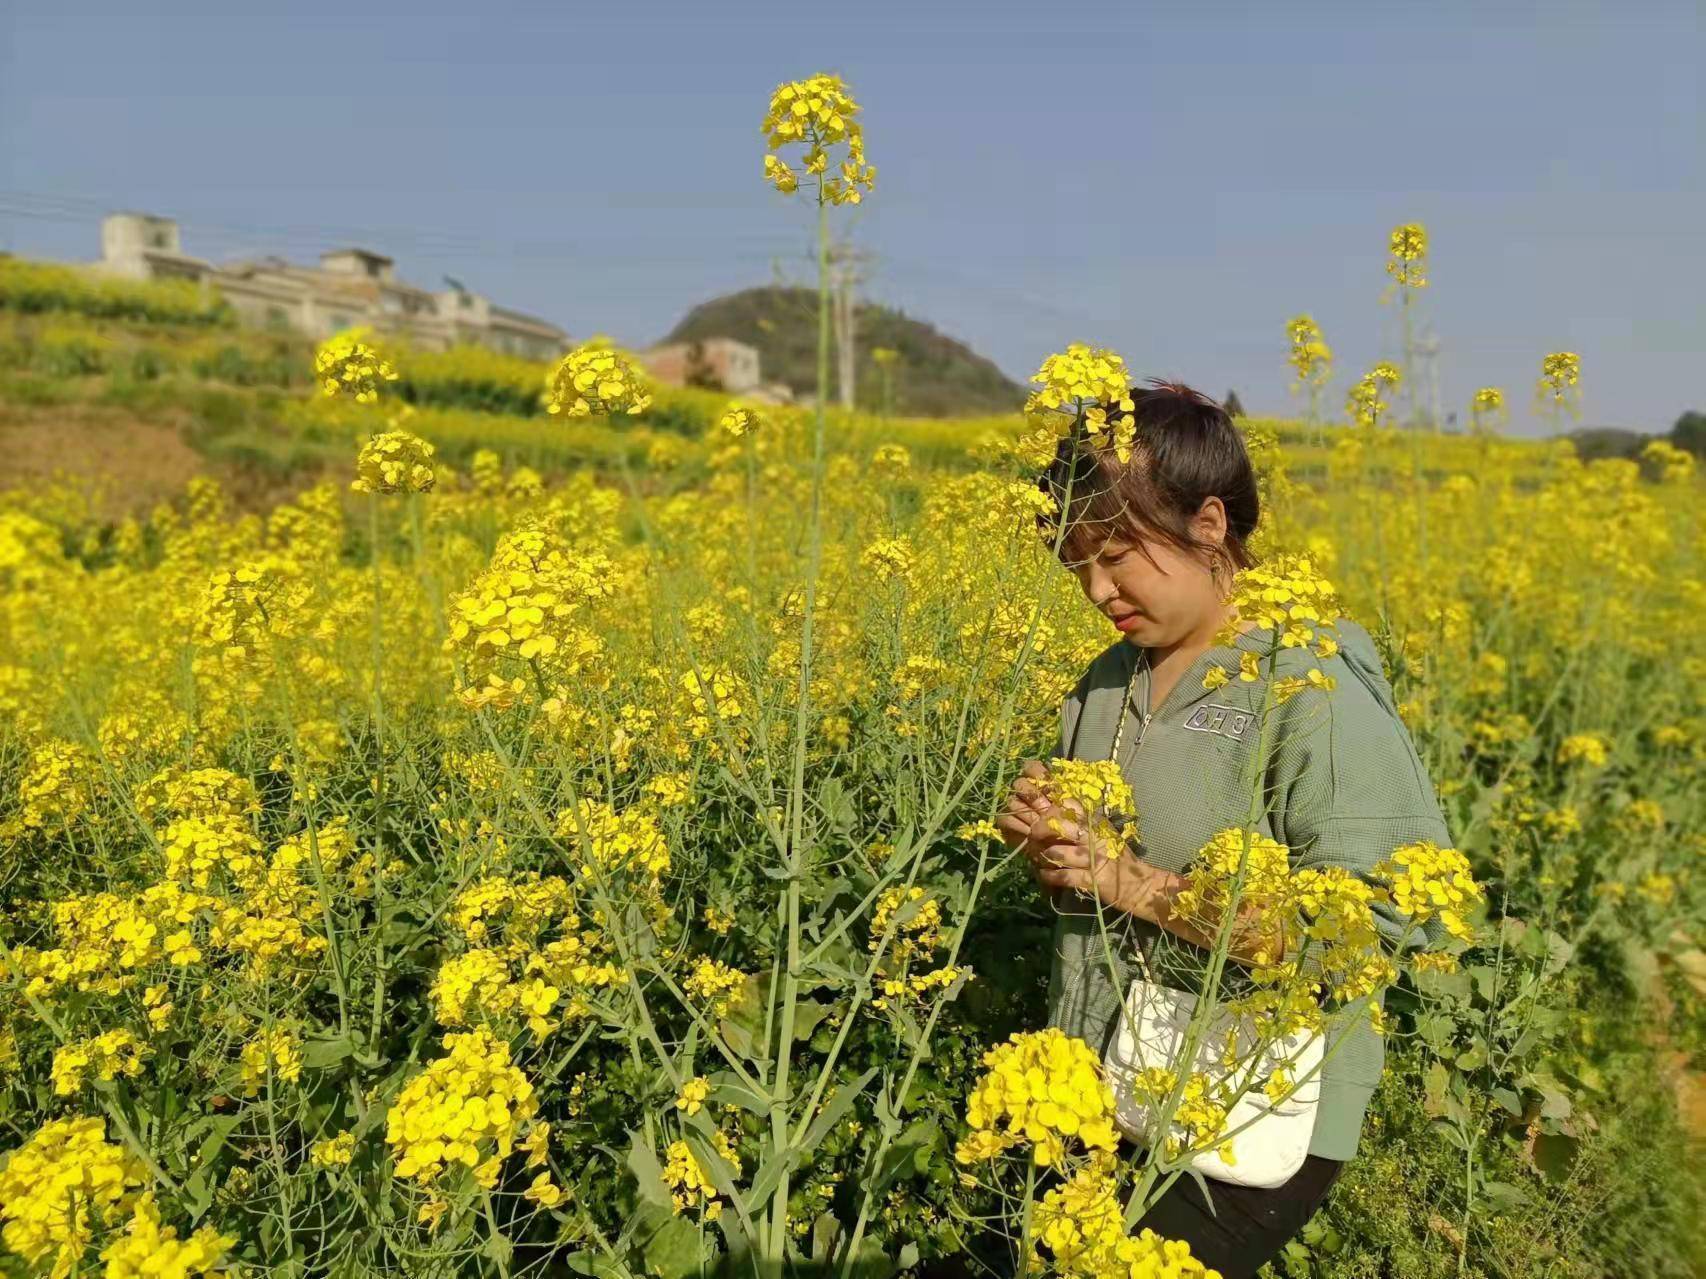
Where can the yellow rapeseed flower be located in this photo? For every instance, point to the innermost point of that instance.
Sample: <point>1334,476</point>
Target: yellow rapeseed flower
<point>1409,248</point>
<point>596,378</point>
<point>348,363</point>
<point>817,114</point>
<point>394,462</point>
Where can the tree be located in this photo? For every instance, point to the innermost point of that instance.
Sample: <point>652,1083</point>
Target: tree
<point>1690,433</point>
<point>1233,405</point>
<point>699,372</point>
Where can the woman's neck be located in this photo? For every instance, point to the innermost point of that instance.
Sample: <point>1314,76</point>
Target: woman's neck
<point>1198,642</point>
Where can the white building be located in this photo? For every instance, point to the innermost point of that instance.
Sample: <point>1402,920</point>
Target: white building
<point>349,287</point>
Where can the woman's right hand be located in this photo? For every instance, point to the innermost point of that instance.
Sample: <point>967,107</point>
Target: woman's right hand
<point>1023,822</point>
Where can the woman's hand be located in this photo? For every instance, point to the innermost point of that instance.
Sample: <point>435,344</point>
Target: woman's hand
<point>1061,849</point>
<point>1023,822</point>
<point>1080,860</point>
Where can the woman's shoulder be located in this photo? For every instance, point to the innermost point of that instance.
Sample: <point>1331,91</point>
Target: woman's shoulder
<point>1109,668</point>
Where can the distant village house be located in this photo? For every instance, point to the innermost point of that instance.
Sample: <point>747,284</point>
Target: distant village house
<point>349,287</point>
<point>719,363</point>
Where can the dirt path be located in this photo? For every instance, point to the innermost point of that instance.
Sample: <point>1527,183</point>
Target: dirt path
<point>124,464</point>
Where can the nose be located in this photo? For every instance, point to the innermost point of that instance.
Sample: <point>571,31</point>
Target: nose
<point>1098,584</point>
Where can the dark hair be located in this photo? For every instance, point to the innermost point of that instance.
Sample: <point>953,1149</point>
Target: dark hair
<point>1186,450</point>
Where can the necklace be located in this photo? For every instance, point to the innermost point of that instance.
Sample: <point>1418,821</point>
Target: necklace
<point>1131,685</point>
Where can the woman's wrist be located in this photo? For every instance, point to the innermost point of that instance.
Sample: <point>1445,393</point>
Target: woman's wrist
<point>1150,891</point>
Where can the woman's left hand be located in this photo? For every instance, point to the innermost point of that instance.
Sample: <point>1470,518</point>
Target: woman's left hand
<point>1079,859</point>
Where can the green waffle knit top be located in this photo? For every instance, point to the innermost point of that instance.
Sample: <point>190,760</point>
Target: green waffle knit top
<point>1344,787</point>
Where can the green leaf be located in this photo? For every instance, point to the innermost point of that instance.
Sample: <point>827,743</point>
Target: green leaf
<point>1452,987</point>
<point>1436,1084</point>
<point>1503,1194</point>
<point>807,1014</point>
<point>1436,1031</point>
<point>648,1173</point>
<point>321,1053</point>
<point>1553,1153</point>
<point>908,1154</point>
<point>597,1265</point>
<point>871,1262</point>
<point>845,1095</point>
<point>198,1186</point>
<point>674,1250</point>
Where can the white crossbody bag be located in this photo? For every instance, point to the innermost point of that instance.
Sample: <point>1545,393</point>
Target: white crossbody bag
<point>1269,1142</point>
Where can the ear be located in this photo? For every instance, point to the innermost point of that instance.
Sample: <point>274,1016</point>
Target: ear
<point>1209,523</point>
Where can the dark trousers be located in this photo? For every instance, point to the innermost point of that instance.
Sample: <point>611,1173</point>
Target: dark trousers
<point>1246,1226</point>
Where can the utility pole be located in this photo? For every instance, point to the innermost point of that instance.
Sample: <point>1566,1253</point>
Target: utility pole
<point>846,274</point>
<point>1427,347</point>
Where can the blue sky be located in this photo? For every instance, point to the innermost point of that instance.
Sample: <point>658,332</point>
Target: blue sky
<point>1171,181</point>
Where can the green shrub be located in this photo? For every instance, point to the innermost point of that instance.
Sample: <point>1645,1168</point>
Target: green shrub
<point>33,287</point>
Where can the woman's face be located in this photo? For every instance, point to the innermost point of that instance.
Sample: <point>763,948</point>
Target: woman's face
<point>1157,600</point>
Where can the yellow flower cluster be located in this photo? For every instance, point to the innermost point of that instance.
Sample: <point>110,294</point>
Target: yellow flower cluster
<point>471,1096</point>
<point>817,113</point>
<point>1199,1118</point>
<point>1288,596</point>
<point>1363,402</point>
<point>714,982</point>
<point>918,928</point>
<point>1081,1223</point>
<point>1042,1087</point>
<point>276,912</point>
<point>1089,386</point>
<point>520,614</point>
<point>596,378</point>
<point>394,462</point>
<point>891,459</point>
<point>1310,355</point>
<point>1208,890</point>
<point>1098,789</point>
<point>738,420</point>
<point>915,986</point>
<point>199,848</point>
<point>513,970</point>
<point>917,919</point>
<point>1560,371</point>
<point>178,792</point>
<point>103,939</point>
<point>517,908</point>
<point>1428,880</point>
<point>1487,409</point>
<point>59,1187</point>
<point>1409,249</point>
<point>57,785</point>
<point>888,559</point>
<point>245,608</point>
<point>348,364</point>
<point>612,843</point>
<point>1592,749</point>
<point>689,1182</point>
<point>107,1055</point>
<point>276,1050</point>
<point>149,1250</point>
<point>334,1152</point>
<point>692,1096</point>
<point>1675,466</point>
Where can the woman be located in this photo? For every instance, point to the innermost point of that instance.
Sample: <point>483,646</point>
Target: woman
<point>1154,544</point>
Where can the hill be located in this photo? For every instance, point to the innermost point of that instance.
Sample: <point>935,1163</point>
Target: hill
<point>934,376</point>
